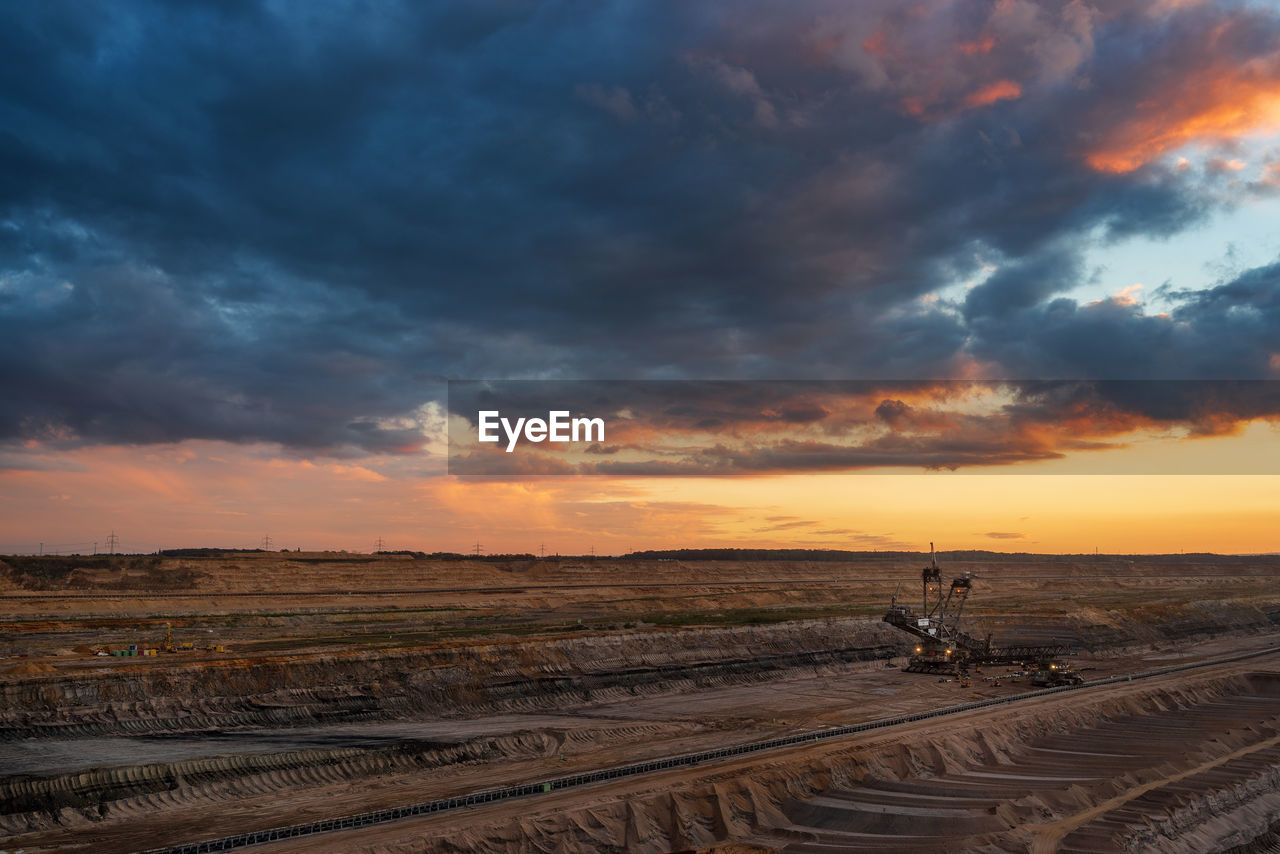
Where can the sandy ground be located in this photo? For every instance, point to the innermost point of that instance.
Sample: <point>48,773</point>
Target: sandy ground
<point>607,733</point>
<point>516,689</point>
<point>814,815</point>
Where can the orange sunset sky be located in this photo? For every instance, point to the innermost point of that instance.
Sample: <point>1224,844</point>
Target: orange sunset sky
<point>213,493</point>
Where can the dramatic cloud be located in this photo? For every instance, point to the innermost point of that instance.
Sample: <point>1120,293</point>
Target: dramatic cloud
<point>280,223</point>
<point>1236,92</point>
<point>680,428</point>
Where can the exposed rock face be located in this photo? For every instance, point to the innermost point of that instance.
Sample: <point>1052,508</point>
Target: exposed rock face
<point>472,708</point>
<point>1186,770</point>
<point>1194,768</point>
<point>516,675</point>
<point>453,681</point>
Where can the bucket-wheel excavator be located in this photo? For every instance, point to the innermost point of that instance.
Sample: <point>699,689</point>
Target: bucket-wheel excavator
<point>941,645</point>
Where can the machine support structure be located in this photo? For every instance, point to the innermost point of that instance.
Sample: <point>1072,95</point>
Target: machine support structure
<point>941,645</point>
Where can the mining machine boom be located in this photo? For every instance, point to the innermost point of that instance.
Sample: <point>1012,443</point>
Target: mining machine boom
<point>942,647</point>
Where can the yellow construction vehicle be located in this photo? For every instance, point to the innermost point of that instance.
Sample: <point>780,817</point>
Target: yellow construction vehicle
<point>170,646</point>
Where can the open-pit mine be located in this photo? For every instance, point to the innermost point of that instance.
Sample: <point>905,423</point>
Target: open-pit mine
<point>336,702</point>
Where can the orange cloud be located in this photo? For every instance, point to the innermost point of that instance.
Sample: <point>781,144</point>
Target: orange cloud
<point>1126,297</point>
<point>876,44</point>
<point>1270,175</point>
<point>775,429</point>
<point>1164,7</point>
<point>1001,90</point>
<point>976,46</point>
<point>1220,107</point>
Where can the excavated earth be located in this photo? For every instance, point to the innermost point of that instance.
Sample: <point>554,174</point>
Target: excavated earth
<point>434,679</point>
<point>1184,768</point>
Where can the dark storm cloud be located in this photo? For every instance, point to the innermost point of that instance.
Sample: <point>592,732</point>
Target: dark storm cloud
<point>289,222</point>
<point>1229,331</point>
<point>1023,284</point>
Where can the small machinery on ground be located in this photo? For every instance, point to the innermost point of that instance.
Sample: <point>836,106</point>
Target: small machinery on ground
<point>1051,673</point>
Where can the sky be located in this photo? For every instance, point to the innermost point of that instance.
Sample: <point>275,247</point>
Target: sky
<point>245,245</point>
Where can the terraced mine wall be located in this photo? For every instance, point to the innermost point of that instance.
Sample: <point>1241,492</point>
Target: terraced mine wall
<point>1097,629</point>
<point>34,802</point>
<point>1172,769</point>
<point>474,678</point>
<point>524,675</point>
<point>1191,767</point>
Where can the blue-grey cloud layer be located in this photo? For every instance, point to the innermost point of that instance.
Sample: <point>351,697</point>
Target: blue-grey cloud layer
<point>290,221</point>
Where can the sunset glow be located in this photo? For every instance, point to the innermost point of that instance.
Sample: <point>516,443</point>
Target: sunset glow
<point>235,283</point>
